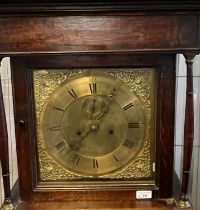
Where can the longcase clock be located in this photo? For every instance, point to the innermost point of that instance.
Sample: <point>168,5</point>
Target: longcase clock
<point>94,102</point>
<point>95,126</point>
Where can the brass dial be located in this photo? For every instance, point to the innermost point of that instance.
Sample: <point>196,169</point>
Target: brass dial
<point>93,124</point>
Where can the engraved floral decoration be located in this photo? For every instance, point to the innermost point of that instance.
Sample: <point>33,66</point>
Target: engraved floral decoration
<point>140,82</point>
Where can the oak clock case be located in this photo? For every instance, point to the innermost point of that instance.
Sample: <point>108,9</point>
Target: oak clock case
<point>94,125</point>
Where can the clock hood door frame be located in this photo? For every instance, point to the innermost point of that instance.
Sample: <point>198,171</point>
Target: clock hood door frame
<point>23,100</point>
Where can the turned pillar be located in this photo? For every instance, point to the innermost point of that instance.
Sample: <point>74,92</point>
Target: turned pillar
<point>188,134</point>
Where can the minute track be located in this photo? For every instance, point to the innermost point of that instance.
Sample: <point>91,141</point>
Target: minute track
<point>98,125</point>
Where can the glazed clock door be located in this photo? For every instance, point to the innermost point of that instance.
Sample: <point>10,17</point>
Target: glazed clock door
<point>94,124</point>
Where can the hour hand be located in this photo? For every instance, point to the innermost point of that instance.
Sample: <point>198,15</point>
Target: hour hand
<point>93,108</point>
<point>81,135</point>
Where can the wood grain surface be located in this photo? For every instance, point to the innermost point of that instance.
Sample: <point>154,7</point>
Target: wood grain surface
<point>115,205</point>
<point>97,33</point>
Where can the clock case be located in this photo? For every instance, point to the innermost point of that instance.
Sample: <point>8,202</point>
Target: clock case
<point>22,68</point>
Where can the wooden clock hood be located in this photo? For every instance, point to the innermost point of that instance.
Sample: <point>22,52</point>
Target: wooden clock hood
<point>8,6</point>
<point>63,33</point>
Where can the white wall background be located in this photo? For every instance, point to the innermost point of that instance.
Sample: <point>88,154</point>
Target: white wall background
<point>178,146</point>
<point>7,93</point>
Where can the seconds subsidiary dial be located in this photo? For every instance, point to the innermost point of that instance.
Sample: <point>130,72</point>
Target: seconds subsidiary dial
<point>93,124</point>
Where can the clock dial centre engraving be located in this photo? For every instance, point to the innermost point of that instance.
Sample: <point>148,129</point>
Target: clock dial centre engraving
<point>94,140</point>
<point>94,107</point>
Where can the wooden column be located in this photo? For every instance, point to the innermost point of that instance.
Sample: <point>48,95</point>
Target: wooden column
<point>188,134</point>
<point>4,156</point>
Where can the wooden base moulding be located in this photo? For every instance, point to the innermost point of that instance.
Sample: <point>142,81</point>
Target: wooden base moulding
<point>118,200</point>
<point>101,205</point>
<point>67,206</point>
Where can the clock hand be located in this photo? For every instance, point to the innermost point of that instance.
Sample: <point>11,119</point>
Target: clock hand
<point>93,108</point>
<point>77,143</point>
<point>94,125</point>
<point>110,99</point>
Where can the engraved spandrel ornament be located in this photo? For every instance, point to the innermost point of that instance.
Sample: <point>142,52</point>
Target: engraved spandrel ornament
<point>79,113</point>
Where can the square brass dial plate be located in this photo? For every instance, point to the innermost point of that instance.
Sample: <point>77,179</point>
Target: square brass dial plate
<point>55,171</point>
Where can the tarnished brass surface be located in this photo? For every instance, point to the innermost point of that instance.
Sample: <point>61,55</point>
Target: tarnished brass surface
<point>7,206</point>
<point>183,202</point>
<point>95,125</point>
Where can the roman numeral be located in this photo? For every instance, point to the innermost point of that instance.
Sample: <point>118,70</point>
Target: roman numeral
<point>59,109</point>
<point>55,128</point>
<point>93,88</point>
<point>72,93</point>
<point>115,158</point>
<point>95,163</point>
<point>129,144</point>
<point>128,106</point>
<point>75,159</point>
<point>113,93</point>
<point>60,146</point>
<point>134,125</point>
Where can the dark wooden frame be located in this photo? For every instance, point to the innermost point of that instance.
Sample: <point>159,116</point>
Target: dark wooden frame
<point>164,65</point>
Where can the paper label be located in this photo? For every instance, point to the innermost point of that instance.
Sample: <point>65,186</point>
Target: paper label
<point>144,194</point>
